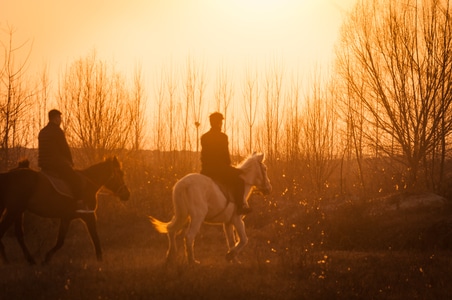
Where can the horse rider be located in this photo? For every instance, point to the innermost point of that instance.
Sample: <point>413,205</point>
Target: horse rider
<point>216,162</point>
<point>54,157</point>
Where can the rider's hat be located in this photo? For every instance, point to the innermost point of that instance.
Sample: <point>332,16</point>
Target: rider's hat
<point>54,113</point>
<point>216,116</point>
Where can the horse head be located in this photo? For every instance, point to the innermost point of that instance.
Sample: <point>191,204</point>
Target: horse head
<point>116,182</point>
<point>258,171</point>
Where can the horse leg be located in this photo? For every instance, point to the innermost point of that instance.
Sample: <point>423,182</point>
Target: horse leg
<point>6,221</point>
<point>18,226</point>
<point>172,247</point>
<point>64,227</point>
<point>243,239</point>
<point>173,228</point>
<point>230,237</point>
<point>3,253</point>
<point>90,221</point>
<point>190,235</point>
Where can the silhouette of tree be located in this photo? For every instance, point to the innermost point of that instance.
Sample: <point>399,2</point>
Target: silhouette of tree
<point>15,97</point>
<point>250,102</point>
<point>395,58</point>
<point>98,117</point>
<point>223,94</point>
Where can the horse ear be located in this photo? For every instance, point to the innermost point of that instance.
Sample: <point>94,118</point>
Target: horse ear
<point>112,159</point>
<point>261,157</point>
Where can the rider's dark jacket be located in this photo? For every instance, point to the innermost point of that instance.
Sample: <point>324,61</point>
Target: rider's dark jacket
<point>215,158</point>
<point>53,148</point>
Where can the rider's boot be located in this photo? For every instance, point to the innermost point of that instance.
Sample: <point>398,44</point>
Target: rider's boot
<point>242,204</point>
<point>81,206</point>
<point>243,208</point>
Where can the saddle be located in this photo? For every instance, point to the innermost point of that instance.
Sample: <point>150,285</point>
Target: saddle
<point>225,190</point>
<point>61,186</point>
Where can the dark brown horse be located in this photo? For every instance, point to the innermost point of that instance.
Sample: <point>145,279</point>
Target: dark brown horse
<point>23,189</point>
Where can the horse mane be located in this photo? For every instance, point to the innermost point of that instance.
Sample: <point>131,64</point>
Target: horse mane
<point>111,160</point>
<point>246,163</point>
<point>23,163</point>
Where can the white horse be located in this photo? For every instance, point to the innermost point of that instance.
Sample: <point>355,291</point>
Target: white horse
<point>197,199</point>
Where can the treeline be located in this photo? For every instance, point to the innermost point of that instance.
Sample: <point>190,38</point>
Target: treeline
<point>378,122</point>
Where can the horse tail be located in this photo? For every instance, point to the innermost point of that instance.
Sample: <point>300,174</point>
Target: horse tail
<point>160,226</point>
<point>3,185</point>
<point>23,163</point>
<point>180,198</point>
<point>180,217</point>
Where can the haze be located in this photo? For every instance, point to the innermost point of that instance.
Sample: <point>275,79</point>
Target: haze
<point>151,32</point>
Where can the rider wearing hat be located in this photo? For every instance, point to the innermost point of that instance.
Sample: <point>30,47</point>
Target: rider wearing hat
<point>54,156</point>
<point>216,162</point>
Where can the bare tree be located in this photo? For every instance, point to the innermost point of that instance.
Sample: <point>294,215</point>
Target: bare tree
<point>190,90</point>
<point>318,145</point>
<point>137,110</point>
<point>250,103</point>
<point>273,100</point>
<point>96,107</point>
<point>37,114</point>
<point>292,124</point>
<point>223,94</point>
<point>172,104</point>
<point>194,95</point>
<point>395,58</point>
<point>158,122</point>
<point>15,97</point>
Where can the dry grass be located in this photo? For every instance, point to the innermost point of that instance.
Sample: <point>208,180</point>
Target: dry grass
<point>280,262</point>
<point>298,249</point>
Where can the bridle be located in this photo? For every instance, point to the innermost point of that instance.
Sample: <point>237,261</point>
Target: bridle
<point>112,177</point>
<point>263,177</point>
<point>263,186</point>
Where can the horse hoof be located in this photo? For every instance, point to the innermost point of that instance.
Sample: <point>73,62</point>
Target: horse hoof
<point>194,262</point>
<point>230,256</point>
<point>236,261</point>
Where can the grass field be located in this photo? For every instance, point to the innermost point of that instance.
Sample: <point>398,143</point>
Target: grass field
<point>339,252</point>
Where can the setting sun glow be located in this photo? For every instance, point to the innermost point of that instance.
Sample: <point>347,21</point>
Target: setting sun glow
<point>158,35</point>
<point>152,32</point>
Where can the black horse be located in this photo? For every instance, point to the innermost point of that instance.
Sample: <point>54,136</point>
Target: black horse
<point>23,189</point>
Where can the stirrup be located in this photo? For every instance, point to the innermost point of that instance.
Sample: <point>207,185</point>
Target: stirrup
<point>243,210</point>
<point>83,209</point>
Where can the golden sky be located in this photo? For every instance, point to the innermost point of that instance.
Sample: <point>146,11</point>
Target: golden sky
<point>153,32</point>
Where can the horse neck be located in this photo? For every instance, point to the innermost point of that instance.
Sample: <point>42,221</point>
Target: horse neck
<point>248,175</point>
<point>97,173</point>
<point>248,190</point>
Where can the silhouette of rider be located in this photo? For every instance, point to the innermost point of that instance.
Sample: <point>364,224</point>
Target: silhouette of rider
<point>54,156</point>
<point>216,162</point>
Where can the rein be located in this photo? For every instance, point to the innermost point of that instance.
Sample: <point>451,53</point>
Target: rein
<point>115,192</point>
<point>262,173</point>
<point>221,211</point>
<point>261,169</point>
